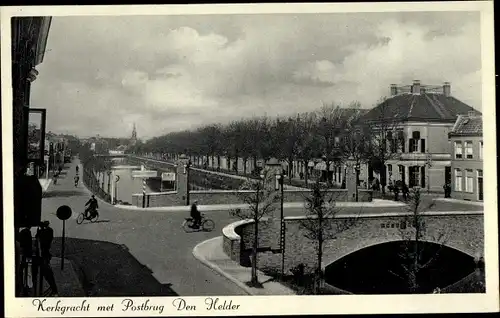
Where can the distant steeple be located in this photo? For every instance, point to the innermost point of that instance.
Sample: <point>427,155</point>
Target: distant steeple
<point>133,140</point>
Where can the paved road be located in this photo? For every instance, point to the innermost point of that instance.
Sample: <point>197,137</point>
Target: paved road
<point>144,252</point>
<point>154,240</point>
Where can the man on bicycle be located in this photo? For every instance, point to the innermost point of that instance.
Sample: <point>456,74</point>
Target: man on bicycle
<point>92,205</point>
<point>195,215</point>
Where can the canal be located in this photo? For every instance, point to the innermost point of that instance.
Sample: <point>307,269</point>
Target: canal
<point>127,185</point>
<point>380,269</point>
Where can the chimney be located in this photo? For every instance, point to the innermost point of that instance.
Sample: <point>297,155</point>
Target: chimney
<point>471,113</point>
<point>446,89</point>
<point>416,87</point>
<point>394,90</point>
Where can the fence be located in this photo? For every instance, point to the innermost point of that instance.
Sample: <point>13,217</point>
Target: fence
<point>92,183</point>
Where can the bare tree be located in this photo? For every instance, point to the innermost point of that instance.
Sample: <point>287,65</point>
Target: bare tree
<point>384,140</point>
<point>308,144</point>
<point>320,225</point>
<point>261,199</point>
<point>415,256</point>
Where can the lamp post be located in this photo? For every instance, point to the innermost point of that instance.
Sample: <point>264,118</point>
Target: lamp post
<point>109,182</point>
<point>279,186</point>
<point>186,172</point>
<point>356,170</point>
<point>428,163</point>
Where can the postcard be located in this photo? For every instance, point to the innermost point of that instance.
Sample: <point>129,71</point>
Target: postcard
<point>249,159</point>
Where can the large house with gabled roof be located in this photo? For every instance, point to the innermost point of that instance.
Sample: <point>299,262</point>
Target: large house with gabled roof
<point>417,119</point>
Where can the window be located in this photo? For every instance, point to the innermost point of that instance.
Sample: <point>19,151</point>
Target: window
<point>468,150</point>
<point>480,173</point>
<point>481,150</point>
<point>458,150</point>
<point>458,180</point>
<point>336,141</point>
<point>422,145</point>
<point>469,181</point>
<point>414,176</point>
<point>389,171</point>
<point>413,147</point>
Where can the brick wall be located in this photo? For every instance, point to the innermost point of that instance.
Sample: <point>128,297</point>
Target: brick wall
<point>466,235</point>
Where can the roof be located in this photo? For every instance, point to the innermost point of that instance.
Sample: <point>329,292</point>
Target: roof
<point>419,107</point>
<point>468,126</point>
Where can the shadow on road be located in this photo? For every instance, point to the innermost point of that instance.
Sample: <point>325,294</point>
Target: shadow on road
<point>109,270</point>
<point>62,193</point>
<point>98,221</point>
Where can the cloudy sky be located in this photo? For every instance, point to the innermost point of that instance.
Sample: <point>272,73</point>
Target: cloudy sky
<point>168,73</point>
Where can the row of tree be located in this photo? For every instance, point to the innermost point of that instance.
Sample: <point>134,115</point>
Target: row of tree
<point>334,133</point>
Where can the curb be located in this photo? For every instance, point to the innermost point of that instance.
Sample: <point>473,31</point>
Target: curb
<point>214,267</point>
<point>227,207</point>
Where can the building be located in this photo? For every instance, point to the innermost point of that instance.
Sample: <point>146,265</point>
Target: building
<point>466,141</point>
<point>133,139</point>
<point>414,122</point>
<point>29,39</point>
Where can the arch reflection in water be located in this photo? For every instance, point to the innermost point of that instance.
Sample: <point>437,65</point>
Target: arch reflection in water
<point>378,269</point>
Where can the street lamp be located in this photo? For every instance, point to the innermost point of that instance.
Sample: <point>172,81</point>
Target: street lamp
<point>356,170</point>
<point>186,172</point>
<point>279,184</point>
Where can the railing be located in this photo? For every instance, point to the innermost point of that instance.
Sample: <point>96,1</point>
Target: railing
<point>92,183</point>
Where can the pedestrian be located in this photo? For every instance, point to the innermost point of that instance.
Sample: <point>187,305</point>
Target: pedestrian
<point>405,191</point>
<point>45,235</point>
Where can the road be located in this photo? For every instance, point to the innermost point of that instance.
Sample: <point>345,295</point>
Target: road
<point>151,254</point>
<point>145,252</point>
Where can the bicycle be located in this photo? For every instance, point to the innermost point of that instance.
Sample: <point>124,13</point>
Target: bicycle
<point>206,225</point>
<point>93,217</point>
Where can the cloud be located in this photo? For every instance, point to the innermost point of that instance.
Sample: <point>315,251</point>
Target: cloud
<point>176,72</point>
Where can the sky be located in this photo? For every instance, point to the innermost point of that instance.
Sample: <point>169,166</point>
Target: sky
<point>102,74</point>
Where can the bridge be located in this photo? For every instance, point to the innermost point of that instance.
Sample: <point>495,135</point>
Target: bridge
<point>462,231</point>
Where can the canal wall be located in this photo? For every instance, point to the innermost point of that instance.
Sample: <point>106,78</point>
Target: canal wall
<point>209,197</point>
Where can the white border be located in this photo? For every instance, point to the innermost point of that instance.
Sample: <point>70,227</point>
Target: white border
<point>257,305</point>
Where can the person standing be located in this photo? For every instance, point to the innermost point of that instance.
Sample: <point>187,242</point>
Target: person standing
<point>45,235</point>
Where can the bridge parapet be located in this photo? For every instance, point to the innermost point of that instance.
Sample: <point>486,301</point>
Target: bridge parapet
<point>463,231</point>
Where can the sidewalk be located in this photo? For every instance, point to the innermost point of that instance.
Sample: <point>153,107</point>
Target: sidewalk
<point>376,203</point>
<point>210,253</point>
<point>68,281</point>
<point>478,203</point>
<point>45,183</point>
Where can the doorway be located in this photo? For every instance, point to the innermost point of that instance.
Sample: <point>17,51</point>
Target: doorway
<point>447,175</point>
<point>480,185</point>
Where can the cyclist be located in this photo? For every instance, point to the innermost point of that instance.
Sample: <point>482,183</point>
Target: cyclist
<point>195,215</point>
<point>91,205</point>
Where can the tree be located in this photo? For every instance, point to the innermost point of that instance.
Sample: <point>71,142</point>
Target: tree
<point>289,141</point>
<point>308,144</point>
<point>261,198</point>
<point>382,130</point>
<point>414,256</point>
<point>355,144</point>
<point>330,127</point>
<point>320,224</point>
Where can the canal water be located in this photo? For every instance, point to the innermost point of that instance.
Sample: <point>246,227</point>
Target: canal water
<point>127,184</point>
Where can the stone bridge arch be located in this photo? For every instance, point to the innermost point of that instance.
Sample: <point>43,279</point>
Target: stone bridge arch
<point>461,231</point>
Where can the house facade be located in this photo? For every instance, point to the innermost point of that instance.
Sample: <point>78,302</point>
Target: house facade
<point>466,143</point>
<point>416,120</point>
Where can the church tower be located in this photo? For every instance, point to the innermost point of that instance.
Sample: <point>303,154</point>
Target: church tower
<point>133,140</point>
